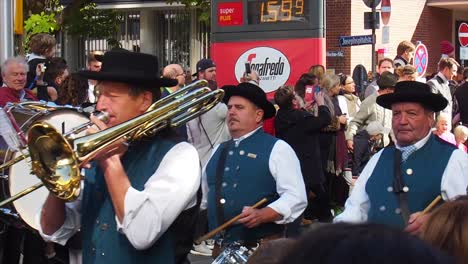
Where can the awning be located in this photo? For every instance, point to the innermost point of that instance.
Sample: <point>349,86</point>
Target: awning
<point>461,5</point>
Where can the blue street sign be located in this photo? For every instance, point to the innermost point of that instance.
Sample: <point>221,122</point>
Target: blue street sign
<point>355,40</point>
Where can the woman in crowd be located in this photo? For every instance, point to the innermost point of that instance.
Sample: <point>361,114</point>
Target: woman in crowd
<point>332,141</point>
<point>349,103</point>
<point>406,73</point>
<point>317,70</point>
<point>447,228</point>
<point>73,91</point>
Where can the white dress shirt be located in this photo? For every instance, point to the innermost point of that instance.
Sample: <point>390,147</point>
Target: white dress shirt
<point>148,213</point>
<point>286,170</point>
<point>454,182</point>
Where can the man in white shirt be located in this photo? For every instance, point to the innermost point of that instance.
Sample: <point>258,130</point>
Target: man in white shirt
<point>448,68</point>
<point>401,180</point>
<point>251,166</point>
<point>93,64</point>
<point>132,195</point>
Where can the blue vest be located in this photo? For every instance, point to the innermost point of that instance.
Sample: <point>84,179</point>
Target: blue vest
<point>422,174</point>
<point>102,243</point>
<point>246,180</point>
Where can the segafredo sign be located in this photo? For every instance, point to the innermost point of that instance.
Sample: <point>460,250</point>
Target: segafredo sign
<point>271,65</point>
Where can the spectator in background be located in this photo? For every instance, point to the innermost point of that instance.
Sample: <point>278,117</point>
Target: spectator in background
<point>94,63</point>
<point>42,48</point>
<point>362,244</point>
<point>306,79</point>
<point>370,111</point>
<point>173,71</point>
<point>406,73</point>
<point>367,143</point>
<point>349,103</point>
<point>48,84</point>
<point>461,95</point>
<point>318,71</point>
<point>440,83</point>
<point>447,228</point>
<point>385,65</point>
<point>461,134</point>
<point>447,50</point>
<point>301,131</point>
<point>405,53</point>
<point>332,141</point>
<point>442,129</point>
<point>206,70</point>
<point>73,91</point>
<point>14,71</point>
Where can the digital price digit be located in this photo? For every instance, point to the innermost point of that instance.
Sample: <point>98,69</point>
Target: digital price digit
<point>281,10</point>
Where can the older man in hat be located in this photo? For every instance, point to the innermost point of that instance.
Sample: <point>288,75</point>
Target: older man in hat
<point>251,166</point>
<point>132,194</point>
<point>402,180</point>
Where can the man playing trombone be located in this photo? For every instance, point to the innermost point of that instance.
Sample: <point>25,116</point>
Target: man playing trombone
<point>133,192</point>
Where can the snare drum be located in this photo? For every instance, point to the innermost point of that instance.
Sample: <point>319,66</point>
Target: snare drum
<point>233,254</point>
<point>17,177</point>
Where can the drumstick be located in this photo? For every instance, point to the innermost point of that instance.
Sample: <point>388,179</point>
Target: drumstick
<point>432,204</point>
<point>228,223</point>
<point>429,207</point>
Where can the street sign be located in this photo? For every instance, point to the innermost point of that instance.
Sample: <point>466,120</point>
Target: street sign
<point>421,59</point>
<point>385,34</point>
<point>335,53</point>
<point>370,2</point>
<point>463,34</point>
<point>355,40</point>
<point>463,53</point>
<point>386,9</point>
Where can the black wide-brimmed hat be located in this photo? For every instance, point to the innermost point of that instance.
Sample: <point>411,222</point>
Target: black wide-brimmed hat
<point>413,91</point>
<point>130,67</point>
<point>252,93</point>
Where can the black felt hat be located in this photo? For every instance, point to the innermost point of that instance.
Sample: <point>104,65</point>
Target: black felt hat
<point>130,67</point>
<point>252,93</point>
<point>413,91</point>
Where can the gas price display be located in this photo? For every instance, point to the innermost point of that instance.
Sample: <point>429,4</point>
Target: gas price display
<point>277,11</point>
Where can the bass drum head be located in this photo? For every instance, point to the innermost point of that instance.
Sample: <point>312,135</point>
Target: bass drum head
<point>20,177</point>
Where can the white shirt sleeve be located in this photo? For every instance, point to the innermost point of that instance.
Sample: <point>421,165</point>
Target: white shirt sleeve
<point>357,205</point>
<point>455,178</point>
<point>71,225</point>
<point>169,191</point>
<point>286,169</point>
<point>149,213</point>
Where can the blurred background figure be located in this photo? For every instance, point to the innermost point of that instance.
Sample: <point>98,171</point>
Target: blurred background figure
<point>442,129</point>
<point>447,50</point>
<point>405,53</point>
<point>318,71</point>
<point>94,63</point>
<point>173,71</point>
<point>447,228</point>
<point>362,244</point>
<point>406,73</point>
<point>461,135</point>
<point>42,49</point>
<point>73,91</point>
<point>348,101</point>
<point>385,65</point>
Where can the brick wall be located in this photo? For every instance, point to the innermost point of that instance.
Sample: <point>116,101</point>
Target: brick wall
<point>338,17</point>
<point>410,20</point>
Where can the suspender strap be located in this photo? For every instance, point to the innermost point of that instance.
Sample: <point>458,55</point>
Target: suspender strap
<point>399,187</point>
<point>218,182</point>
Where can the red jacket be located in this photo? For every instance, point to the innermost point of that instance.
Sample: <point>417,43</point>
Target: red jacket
<point>11,95</point>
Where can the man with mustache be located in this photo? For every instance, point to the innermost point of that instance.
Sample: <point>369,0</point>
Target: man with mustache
<point>251,166</point>
<point>401,181</point>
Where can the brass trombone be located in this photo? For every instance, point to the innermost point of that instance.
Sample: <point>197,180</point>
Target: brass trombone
<point>56,160</point>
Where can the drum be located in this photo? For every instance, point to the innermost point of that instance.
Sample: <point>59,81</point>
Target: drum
<point>17,177</point>
<point>233,254</point>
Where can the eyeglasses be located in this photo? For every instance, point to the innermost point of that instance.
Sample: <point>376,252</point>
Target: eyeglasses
<point>349,83</point>
<point>180,74</point>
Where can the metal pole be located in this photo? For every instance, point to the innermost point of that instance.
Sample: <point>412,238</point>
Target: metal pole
<point>373,38</point>
<point>6,29</point>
